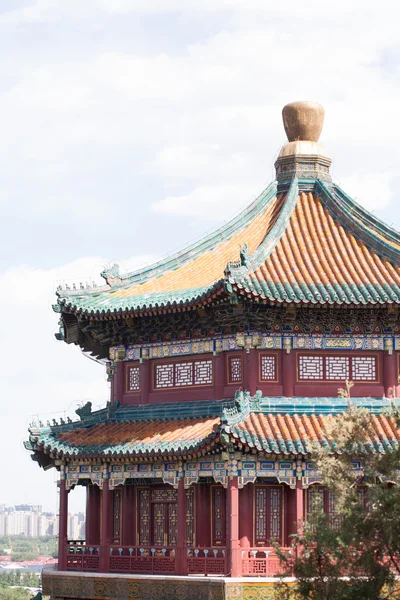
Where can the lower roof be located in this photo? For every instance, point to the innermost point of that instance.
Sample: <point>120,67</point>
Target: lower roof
<point>267,425</point>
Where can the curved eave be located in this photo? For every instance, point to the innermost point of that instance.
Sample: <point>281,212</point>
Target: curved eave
<point>287,299</point>
<point>207,297</point>
<point>182,448</point>
<point>185,278</point>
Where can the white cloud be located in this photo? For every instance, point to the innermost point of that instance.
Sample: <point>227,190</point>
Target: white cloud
<point>41,376</point>
<point>208,202</point>
<point>194,114</point>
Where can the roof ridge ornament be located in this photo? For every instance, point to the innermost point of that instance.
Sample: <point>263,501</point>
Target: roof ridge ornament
<point>244,405</point>
<point>303,121</point>
<point>111,275</point>
<point>303,156</point>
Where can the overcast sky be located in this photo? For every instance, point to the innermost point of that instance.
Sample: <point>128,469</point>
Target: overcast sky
<point>129,128</point>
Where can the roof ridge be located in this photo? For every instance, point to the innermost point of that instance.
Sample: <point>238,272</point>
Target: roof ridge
<point>366,216</point>
<point>272,238</point>
<point>180,258</point>
<point>343,209</point>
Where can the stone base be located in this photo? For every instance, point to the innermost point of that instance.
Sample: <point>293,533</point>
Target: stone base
<point>63,585</point>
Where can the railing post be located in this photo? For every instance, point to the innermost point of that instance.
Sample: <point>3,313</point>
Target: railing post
<point>63,526</point>
<point>234,552</point>
<point>105,520</point>
<point>181,558</point>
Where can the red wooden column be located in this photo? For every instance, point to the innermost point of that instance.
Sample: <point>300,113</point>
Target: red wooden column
<point>390,374</point>
<point>106,507</point>
<point>246,516</point>
<point>288,373</point>
<point>92,515</point>
<point>181,560</point>
<point>63,527</point>
<point>233,549</point>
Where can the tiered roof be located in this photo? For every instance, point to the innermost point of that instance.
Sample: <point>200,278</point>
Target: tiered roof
<point>270,425</point>
<point>303,241</point>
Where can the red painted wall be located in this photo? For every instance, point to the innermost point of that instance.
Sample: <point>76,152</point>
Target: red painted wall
<point>287,381</point>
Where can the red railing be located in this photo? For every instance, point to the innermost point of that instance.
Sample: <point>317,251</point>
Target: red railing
<point>256,562</point>
<point>263,562</point>
<point>206,561</point>
<point>81,557</point>
<point>142,559</point>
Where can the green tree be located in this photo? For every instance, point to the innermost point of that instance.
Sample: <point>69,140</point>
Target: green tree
<point>356,555</point>
<point>14,594</point>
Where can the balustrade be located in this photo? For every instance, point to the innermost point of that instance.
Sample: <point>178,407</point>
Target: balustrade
<point>206,561</point>
<point>143,559</point>
<point>81,557</point>
<point>263,562</point>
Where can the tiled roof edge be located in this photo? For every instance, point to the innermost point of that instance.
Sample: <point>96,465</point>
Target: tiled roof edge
<point>367,217</point>
<point>343,209</point>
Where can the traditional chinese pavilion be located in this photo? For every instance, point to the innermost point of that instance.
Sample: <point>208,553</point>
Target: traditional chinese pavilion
<point>224,362</point>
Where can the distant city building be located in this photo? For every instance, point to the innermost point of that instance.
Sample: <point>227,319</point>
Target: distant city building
<point>29,520</point>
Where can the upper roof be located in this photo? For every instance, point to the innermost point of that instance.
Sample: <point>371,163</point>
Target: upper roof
<point>303,240</point>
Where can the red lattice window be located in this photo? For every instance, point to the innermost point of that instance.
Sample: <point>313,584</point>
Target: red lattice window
<point>337,368</point>
<point>117,499</point>
<point>144,516</point>
<point>134,379</point>
<point>363,368</point>
<point>190,514</point>
<point>183,374</point>
<point>218,497</point>
<point>268,367</point>
<point>268,514</point>
<point>311,367</point>
<point>235,369</point>
<point>320,498</point>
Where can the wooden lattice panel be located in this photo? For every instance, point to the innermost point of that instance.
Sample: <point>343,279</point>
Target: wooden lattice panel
<point>183,374</point>
<point>203,372</point>
<point>218,516</point>
<point>337,367</point>
<point>268,514</point>
<point>235,371</point>
<point>311,367</point>
<point>190,514</point>
<point>134,379</point>
<point>364,368</point>
<point>268,367</point>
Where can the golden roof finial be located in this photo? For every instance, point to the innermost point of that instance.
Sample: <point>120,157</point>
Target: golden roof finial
<point>303,121</point>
